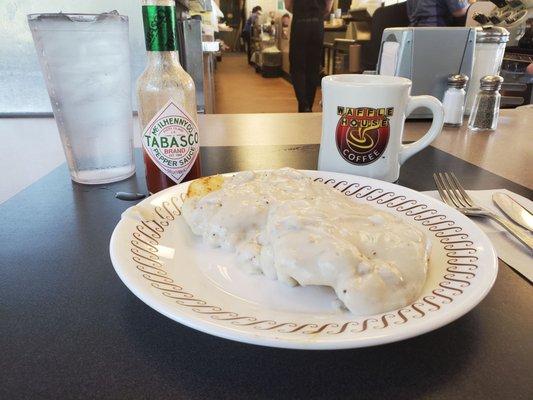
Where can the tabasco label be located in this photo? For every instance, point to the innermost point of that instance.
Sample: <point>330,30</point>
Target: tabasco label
<point>362,133</point>
<point>171,141</point>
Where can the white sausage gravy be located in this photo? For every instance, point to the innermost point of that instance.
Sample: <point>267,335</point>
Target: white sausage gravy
<point>286,226</point>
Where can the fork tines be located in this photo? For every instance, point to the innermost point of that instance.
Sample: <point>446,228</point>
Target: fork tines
<point>451,191</point>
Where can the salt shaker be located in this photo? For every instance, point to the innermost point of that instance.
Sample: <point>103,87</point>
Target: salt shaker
<point>484,116</point>
<point>454,100</point>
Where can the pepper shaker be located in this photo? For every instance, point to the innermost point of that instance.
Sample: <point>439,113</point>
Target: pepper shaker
<point>454,100</point>
<point>484,116</point>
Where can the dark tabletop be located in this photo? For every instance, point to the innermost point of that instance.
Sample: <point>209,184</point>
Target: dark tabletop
<point>69,328</point>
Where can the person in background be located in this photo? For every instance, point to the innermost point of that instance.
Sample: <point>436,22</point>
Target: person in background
<point>285,23</point>
<point>436,12</point>
<point>247,30</point>
<point>305,50</point>
<point>285,20</point>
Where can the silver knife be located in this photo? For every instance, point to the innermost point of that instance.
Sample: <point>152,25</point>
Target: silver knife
<point>513,210</point>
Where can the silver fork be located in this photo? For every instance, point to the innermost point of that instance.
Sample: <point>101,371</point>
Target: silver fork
<point>453,194</point>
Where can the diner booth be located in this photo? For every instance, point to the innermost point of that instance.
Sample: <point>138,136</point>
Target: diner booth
<point>186,214</point>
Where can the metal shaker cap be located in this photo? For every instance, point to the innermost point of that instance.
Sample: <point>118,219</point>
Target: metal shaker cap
<point>491,34</point>
<point>457,81</point>
<point>491,82</point>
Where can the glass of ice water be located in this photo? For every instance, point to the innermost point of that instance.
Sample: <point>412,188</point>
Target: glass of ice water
<point>85,60</point>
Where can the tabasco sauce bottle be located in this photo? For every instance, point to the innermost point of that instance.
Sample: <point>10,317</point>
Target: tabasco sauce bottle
<point>167,103</point>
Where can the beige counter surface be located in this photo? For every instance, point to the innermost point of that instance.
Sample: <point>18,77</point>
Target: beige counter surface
<point>505,152</point>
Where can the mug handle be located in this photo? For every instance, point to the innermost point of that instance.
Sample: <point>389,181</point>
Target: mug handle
<point>437,110</point>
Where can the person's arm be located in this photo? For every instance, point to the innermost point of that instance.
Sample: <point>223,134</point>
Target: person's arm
<point>327,7</point>
<point>458,8</point>
<point>529,69</point>
<point>289,5</point>
<point>460,13</point>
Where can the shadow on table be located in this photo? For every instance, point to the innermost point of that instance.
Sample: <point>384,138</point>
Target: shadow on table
<point>200,366</point>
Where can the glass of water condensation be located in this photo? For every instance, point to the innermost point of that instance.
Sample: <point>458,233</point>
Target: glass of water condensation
<point>85,60</point>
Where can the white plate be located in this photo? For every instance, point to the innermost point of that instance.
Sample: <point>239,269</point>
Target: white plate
<point>168,268</point>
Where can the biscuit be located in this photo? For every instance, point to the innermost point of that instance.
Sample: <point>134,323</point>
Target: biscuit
<point>203,186</point>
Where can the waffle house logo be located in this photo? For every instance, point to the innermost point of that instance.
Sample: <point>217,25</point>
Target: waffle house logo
<point>362,133</point>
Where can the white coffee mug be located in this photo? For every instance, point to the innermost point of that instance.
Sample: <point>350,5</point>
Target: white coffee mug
<point>363,118</point>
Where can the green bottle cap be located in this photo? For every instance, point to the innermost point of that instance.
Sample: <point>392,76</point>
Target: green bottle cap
<point>160,28</point>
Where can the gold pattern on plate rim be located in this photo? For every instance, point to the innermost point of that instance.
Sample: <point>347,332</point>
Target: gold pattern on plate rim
<point>460,253</point>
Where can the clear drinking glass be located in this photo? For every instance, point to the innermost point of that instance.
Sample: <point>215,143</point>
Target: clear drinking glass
<point>85,60</point>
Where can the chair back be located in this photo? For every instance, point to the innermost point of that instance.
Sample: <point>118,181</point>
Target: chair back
<point>392,16</point>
